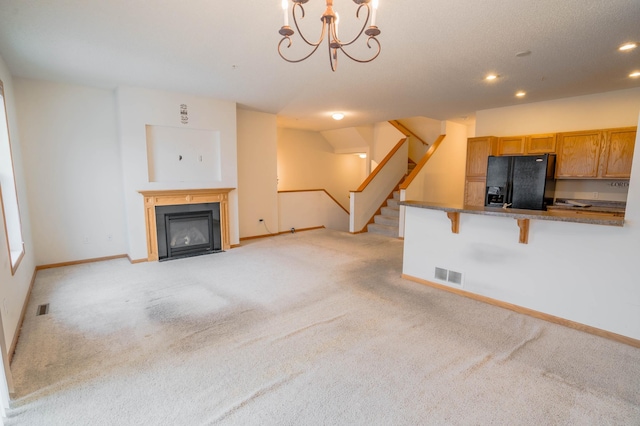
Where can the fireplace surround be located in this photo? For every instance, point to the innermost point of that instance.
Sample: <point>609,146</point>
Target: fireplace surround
<point>153,199</point>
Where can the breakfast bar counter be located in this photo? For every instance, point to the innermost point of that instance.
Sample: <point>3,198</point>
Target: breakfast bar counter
<point>522,216</point>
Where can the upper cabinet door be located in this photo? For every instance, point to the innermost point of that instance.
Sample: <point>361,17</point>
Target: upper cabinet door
<point>618,154</point>
<point>578,154</point>
<point>541,144</point>
<point>478,151</point>
<point>511,145</point>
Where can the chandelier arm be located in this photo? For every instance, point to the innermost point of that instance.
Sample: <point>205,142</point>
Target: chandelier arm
<point>364,25</point>
<point>295,22</point>
<point>362,61</point>
<point>289,45</point>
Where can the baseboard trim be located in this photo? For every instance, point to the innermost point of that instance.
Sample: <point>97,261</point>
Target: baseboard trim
<point>134,261</point>
<point>530,312</point>
<point>80,262</point>
<point>255,237</point>
<point>16,335</point>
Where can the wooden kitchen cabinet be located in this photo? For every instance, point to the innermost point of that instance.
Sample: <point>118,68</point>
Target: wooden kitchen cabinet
<point>527,145</point>
<point>596,154</point>
<point>511,145</point>
<point>578,154</point>
<point>541,144</point>
<point>474,191</point>
<point>618,153</point>
<point>478,152</point>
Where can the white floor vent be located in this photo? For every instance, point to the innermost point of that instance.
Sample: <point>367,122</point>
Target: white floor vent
<point>452,277</point>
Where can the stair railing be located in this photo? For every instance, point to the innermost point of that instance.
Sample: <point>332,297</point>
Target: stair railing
<point>405,131</point>
<point>367,199</point>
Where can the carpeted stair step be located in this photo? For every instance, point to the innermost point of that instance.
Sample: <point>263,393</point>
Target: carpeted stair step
<point>387,220</point>
<point>390,211</point>
<point>389,231</point>
<point>393,203</point>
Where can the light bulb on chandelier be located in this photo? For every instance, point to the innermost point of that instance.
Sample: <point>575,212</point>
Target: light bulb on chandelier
<point>330,29</point>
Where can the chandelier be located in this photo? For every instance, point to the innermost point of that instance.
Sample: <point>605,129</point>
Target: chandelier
<point>330,21</point>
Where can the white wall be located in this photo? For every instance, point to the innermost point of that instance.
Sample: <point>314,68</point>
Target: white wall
<point>138,108</point>
<point>72,167</point>
<point>14,288</point>
<point>584,273</point>
<point>307,161</point>
<point>257,173</point>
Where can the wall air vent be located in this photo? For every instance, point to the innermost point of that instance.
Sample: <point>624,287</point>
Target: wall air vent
<point>42,310</point>
<point>441,274</point>
<point>455,277</point>
<point>452,277</point>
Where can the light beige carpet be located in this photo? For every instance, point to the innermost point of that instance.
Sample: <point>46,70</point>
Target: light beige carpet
<point>312,328</point>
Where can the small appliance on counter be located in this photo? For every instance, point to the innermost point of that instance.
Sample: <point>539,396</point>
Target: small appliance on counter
<point>521,181</point>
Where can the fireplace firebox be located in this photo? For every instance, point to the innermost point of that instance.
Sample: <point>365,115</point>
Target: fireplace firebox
<point>188,230</point>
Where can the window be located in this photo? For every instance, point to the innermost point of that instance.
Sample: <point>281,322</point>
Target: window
<point>8,195</point>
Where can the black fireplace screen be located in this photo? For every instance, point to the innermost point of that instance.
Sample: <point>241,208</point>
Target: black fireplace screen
<point>188,230</point>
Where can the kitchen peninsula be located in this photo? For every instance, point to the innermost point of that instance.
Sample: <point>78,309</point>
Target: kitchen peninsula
<point>522,216</point>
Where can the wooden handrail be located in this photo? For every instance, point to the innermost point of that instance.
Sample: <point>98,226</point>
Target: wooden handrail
<point>386,159</point>
<point>423,161</point>
<point>312,190</point>
<point>405,131</point>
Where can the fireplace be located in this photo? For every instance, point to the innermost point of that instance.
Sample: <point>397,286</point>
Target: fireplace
<point>188,230</point>
<point>200,218</point>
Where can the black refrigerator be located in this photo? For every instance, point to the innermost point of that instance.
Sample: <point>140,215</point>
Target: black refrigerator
<point>521,181</point>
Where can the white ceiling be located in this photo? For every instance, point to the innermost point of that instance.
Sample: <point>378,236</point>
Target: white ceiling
<point>435,53</point>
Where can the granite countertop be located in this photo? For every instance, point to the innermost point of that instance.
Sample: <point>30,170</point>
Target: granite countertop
<point>559,215</point>
<point>598,206</point>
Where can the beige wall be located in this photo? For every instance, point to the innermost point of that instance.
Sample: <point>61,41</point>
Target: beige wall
<point>257,173</point>
<point>306,161</point>
<point>72,165</point>
<point>441,180</point>
<point>14,288</point>
<point>385,137</point>
<point>603,110</point>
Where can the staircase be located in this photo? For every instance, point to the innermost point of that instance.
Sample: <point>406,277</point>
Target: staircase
<point>388,221</point>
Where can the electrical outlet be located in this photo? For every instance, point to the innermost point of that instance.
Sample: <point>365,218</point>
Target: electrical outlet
<point>85,239</point>
<point>595,195</point>
<point>109,237</point>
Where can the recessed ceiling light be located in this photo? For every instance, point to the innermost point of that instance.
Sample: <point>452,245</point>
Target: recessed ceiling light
<point>635,74</point>
<point>521,94</point>
<point>491,77</point>
<point>337,116</point>
<point>362,155</point>
<point>628,46</point>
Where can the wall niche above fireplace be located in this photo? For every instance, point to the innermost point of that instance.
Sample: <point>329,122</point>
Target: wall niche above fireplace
<point>191,211</point>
